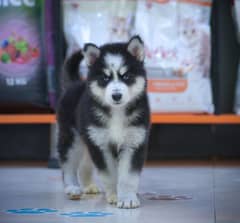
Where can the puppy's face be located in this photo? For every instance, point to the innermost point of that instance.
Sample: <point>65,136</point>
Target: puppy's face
<point>116,72</point>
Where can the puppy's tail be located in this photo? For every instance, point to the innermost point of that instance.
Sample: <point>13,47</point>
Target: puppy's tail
<point>70,74</point>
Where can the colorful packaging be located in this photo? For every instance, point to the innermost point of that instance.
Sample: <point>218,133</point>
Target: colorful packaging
<point>97,21</point>
<point>237,96</point>
<point>177,39</point>
<point>22,74</point>
<point>50,50</point>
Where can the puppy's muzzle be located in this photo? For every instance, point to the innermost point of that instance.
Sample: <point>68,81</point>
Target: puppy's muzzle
<point>117,97</point>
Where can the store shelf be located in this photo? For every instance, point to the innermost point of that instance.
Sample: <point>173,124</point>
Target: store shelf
<point>195,119</point>
<point>27,118</point>
<point>155,118</point>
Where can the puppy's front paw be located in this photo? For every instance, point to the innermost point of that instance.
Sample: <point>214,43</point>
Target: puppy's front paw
<point>130,201</point>
<point>111,198</point>
<point>91,189</point>
<point>73,192</point>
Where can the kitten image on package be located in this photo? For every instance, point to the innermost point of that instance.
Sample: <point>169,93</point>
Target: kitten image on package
<point>194,47</point>
<point>177,54</point>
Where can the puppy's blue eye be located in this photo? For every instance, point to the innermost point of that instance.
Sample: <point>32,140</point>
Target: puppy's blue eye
<point>106,78</point>
<point>125,76</point>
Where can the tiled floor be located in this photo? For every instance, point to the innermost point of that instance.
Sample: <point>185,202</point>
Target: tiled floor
<point>170,192</point>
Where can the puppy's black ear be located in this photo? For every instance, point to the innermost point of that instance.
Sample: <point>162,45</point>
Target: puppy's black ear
<point>91,52</point>
<point>135,47</point>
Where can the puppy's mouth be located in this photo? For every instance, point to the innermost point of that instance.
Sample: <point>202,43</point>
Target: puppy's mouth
<point>117,103</point>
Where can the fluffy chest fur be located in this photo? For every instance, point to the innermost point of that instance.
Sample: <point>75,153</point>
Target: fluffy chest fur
<point>117,130</point>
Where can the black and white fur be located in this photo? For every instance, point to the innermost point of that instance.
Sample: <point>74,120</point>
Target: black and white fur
<point>105,119</point>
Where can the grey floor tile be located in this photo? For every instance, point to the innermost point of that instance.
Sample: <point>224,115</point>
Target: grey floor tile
<point>227,193</point>
<point>42,188</point>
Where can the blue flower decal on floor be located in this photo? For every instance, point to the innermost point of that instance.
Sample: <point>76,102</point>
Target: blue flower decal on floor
<point>31,211</point>
<point>86,214</point>
<point>40,211</point>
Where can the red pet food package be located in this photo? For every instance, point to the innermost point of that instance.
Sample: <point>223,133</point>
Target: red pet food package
<point>177,56</point>
<point>22,74</point>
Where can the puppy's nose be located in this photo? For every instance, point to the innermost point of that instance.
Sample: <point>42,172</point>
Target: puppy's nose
<point>117,97</point>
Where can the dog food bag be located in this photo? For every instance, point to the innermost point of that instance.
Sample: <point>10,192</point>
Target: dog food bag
<point>97,21</point>
<point>51,16</point>
<point>177,40</point>
<point>22,73</point>
<point>237,97</point>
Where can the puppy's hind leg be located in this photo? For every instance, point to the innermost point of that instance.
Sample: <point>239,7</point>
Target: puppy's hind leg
<point>86,173</point>
<point>109,178</point>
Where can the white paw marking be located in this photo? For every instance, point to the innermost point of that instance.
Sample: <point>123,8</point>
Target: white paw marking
<point>73,192</point>
<point>111,198</point>
<point>91,189</point>
<point>128,202</point>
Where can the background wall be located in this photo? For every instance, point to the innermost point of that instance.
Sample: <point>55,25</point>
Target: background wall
<point>166,141</point>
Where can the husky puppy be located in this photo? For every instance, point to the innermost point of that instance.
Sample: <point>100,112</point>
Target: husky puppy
<point>105,119</point>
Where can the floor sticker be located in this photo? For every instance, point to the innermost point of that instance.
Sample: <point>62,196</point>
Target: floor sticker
<point>86,214</point>
<point>30,211</point>
<point>41,211</point>
<point>155,196</point>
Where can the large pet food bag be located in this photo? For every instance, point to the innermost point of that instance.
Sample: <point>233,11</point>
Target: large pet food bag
<point>177,39</point>
<point>22,73</point>
<point>97,21</point>
<point>237,97</point>
<point>52,20</point>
